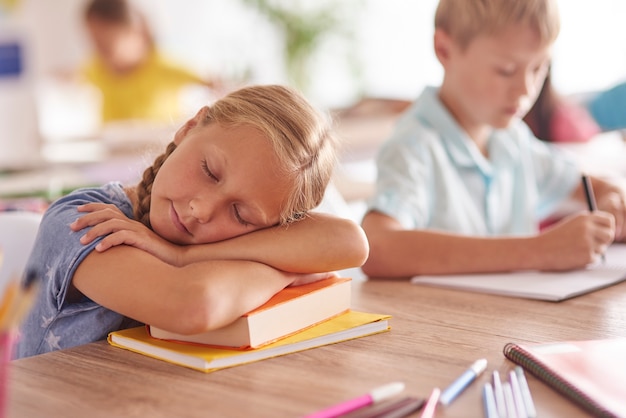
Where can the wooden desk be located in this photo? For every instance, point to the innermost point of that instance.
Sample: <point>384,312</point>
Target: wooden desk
<point>436,334</point>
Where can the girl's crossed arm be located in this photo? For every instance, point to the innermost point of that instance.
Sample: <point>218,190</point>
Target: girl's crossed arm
<point>191,299</point>
<point>212,287</point>
<point>317,243</point>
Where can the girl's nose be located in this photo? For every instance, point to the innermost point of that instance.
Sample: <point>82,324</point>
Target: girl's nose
<point>202,210</point>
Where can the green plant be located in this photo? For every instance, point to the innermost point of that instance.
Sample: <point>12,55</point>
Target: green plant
<point>304,29</point>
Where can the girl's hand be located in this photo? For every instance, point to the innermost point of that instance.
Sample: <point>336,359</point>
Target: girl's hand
<point>109,221</point>
<point>300,279</point>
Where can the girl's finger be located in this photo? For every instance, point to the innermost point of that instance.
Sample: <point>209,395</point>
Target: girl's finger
<point>103,228</point>
<point>92,207</point>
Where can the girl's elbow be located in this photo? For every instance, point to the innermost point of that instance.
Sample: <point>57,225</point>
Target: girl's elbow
<point>361,248</point>
<point>356,245</point>
<point>201,311</point>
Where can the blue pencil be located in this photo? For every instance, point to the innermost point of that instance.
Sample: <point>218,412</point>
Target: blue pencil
<point>463,381</point>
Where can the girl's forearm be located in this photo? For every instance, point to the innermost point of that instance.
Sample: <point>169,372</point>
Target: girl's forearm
<point>317,243</point>
<point>186,300</point>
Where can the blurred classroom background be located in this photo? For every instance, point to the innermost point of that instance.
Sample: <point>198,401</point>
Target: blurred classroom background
<point>373,48</point>
<point>345,55</point>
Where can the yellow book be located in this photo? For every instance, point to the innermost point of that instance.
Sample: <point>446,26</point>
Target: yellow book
<point>347,326</point>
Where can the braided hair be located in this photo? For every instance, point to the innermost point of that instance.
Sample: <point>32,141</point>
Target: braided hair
<point>144,188</point>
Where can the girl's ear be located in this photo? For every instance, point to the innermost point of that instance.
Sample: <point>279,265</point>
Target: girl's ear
<point>191,123</point>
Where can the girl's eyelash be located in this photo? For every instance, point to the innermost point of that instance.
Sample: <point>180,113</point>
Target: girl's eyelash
<point>239,218</point>
<point>207,171</point>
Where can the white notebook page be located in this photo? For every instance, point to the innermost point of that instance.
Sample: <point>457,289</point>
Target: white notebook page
<point>552,286</point>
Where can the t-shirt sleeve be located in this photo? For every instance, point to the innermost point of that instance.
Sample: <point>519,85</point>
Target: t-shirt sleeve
<point>55,322</point>
<point>58,252</point>
<point>60,247</point>
<point>402,185</point>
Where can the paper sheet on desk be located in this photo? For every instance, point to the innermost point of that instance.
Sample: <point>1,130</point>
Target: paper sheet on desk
<point>539,285</point>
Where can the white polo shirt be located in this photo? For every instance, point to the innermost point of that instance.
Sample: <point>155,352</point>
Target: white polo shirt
<point>431,175</point>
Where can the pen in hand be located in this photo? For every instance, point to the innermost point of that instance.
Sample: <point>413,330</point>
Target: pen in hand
<point>591,199</point>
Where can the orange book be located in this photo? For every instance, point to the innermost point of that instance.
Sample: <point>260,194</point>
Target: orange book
<point>287,312</point>
<point>590,373</point>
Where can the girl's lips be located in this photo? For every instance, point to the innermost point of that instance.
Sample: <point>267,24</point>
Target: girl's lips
<point>176,220</point>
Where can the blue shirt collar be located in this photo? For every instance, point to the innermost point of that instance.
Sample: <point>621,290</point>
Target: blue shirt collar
<point>460,147</point>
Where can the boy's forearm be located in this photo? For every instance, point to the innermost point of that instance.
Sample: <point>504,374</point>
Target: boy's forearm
<point>318,243</point>
<point>406,253</point>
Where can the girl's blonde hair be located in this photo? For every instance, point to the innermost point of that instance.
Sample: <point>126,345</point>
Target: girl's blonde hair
<point>300,135</point>
<point>464,20</point>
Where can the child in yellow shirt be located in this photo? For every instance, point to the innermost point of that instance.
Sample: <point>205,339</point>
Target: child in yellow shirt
<point>135,79</point>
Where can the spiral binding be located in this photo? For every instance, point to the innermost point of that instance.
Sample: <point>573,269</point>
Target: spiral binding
<point>518,355</point>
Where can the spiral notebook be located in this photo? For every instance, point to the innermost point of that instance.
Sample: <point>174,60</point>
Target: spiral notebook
<point>550,286</point>
<point>590,373</point>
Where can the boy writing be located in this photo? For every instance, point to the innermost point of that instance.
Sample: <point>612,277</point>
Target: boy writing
<point>463,183</point>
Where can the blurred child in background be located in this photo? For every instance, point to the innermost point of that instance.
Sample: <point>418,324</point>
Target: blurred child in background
<point>555,118</point>
<point>608,107</point>
<point>136,80</point>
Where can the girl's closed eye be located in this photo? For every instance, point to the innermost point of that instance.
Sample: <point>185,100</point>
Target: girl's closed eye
<point>238,216</point>
<point>212,176</point>
<point>207,171</point>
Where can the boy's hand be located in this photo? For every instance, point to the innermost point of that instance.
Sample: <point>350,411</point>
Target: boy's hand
<point>117,229</point>
<point>576,241</point>
<point>614,202</point>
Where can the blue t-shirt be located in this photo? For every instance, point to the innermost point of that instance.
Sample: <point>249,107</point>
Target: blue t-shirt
<point>54,322</point>
<point>431,175</point>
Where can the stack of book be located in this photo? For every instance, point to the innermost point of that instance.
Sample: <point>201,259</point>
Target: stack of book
<point>295,319</point>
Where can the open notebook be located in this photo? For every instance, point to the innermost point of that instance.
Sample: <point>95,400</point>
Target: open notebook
<point>539,285</point>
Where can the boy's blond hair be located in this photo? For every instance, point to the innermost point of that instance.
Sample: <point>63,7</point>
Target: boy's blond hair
<point>464,20</point>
